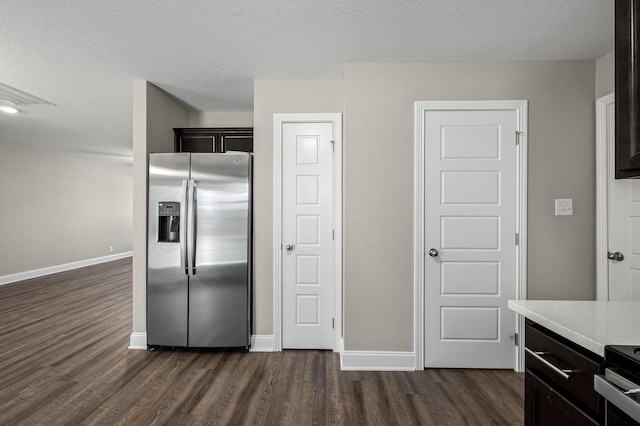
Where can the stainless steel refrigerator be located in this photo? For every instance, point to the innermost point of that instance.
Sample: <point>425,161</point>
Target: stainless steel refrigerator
<point>199,250</point>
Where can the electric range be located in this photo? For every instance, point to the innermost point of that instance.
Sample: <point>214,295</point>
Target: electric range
<point>620,385</point>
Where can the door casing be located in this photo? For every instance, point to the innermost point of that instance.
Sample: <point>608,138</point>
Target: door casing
<point>602,195</point>
<point>278,121</point>
<point>419,252</point>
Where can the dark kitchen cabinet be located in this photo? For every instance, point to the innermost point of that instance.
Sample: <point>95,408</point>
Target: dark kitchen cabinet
<point>554,396</point>
<point>213,139</point>
<point>545,406</point>
<point>627,81</point>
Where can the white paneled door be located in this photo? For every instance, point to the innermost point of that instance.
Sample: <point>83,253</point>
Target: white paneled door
<point>624,224</point>
<point>307,235</point>
<point>471,186</point>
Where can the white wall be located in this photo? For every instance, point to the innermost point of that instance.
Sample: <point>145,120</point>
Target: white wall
<point>59,209</point>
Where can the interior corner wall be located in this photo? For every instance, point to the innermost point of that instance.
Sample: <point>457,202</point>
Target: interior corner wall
<point>605,75</point>
<point>155,114</point>
<point>61,209</point>
<point>271,97</point>
<point>378,182</point>
<point>221,119</point>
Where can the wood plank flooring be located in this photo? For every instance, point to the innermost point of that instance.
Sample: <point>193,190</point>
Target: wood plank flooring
<point>64,361</point>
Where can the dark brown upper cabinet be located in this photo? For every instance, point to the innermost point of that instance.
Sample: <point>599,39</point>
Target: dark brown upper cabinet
<point>627,72</point>
<point>213,139</point>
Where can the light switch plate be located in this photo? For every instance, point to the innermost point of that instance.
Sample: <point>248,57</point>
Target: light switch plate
<point>564,206</point>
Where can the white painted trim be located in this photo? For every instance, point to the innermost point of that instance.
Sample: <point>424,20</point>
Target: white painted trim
<point>340,347</point>
<point>418,238</point>
<point>602,196</point>
<point>138,340</point>
<point>278,122</point>
<point>262,343</point>
<point>377,361</point>
<point>20,276</point>
<point>277,233</point>
<point>521,109</point>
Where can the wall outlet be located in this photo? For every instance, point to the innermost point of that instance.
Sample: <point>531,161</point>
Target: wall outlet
<point>564,206</point>
<point>110,248</point>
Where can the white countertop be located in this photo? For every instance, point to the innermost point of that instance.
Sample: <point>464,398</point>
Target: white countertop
<point>589,324</point>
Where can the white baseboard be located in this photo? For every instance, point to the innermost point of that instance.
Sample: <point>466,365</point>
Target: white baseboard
<point>138,340</point>
<point>349,360</point>
<point>377,361</point>
<point>262,343</point>
<point>20,276</point>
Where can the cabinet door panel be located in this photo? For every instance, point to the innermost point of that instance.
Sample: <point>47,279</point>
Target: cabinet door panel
<point>237,143</point>
<point>580,382</point>
<point>207,139</point>
<point>544,406</point>
<point>196,144</point>
<point>627,78</point>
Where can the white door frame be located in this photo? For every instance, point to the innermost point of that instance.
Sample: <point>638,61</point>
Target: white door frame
<point>521,109</point>
<point>278,121</point>
<point>602,195</point>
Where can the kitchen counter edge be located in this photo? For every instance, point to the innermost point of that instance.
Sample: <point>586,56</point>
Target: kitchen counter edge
<point>590,324</point>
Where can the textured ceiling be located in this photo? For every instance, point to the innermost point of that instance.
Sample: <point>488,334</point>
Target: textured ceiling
<point>82,55</point>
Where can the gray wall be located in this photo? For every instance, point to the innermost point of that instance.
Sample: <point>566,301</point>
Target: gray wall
<point>155,115</point>
<point>271,97</point>
<point>61,209</point>
<point>378,182</point>
<point>605,78</point>
<point>221,119</point>
<point>378,100</point>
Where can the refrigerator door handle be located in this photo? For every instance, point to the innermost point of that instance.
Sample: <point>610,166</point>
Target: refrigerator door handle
<point>183,227</point>
<point>191,230</point>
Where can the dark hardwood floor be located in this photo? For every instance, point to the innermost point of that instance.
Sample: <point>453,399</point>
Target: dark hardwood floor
<point>64,361</point>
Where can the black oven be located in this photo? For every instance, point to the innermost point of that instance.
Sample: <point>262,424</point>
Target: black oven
<point>620,385</point>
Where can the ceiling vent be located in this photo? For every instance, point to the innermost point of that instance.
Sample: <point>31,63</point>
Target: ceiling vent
<point>18,97</point>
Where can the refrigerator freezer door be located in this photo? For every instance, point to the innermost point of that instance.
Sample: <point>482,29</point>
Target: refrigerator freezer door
<point>219,290</point>
<point>167,283</point>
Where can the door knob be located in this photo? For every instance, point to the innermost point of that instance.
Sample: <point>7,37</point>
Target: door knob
<point>433,252</point>
<point>617,256</point>
<point>288,247</point>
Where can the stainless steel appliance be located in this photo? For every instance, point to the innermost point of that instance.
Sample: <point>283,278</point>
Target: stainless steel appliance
<point>620,385</point>
<point>199,250</point>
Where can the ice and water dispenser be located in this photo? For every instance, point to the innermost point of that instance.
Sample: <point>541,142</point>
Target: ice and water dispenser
<point>168,222</point>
